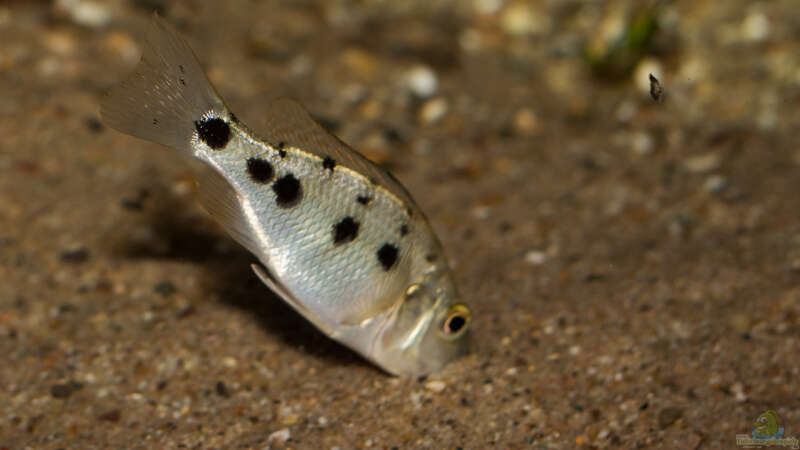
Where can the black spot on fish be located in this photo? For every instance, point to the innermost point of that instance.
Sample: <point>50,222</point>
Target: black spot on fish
<point>387,256</point>
<point>180,67</point>
<point>260,170</point>
<point>288,191</point>
<point>403,229</point>
<point>364,199</point>
<point>155,121</point>
<point>214,131</point>
<point>183,82</point>
<point>328,163</point>
<point>345,231</point>
<point>430,257</point>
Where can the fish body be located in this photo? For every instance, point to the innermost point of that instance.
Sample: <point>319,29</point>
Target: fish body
<point>338,237</point>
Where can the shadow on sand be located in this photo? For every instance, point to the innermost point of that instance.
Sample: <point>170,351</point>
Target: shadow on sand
<point>183,233</point>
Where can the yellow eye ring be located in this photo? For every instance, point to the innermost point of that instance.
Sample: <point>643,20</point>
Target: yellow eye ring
<point>457,321</point>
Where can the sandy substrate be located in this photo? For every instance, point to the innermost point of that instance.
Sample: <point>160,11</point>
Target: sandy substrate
<point>632,264</point>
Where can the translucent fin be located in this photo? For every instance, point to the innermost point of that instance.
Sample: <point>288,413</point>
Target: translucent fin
<point>222,202</point>
<point>288,122</point>
<point>165,95</point>
<point>277,288</point>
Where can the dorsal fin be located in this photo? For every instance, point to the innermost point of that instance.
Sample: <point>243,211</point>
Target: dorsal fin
<point>290,123</point>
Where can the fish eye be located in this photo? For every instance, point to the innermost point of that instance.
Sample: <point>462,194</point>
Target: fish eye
<point>456,322</point>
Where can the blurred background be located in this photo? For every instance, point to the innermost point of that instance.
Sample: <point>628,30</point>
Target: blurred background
<point>630,247</point>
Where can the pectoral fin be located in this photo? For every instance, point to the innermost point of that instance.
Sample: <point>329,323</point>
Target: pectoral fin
<point>278,288</point>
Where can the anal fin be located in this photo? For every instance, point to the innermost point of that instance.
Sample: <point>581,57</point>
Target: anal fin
<point>221,201</point>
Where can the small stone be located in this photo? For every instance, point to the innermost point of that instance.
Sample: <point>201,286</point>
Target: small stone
<point>222,390</point>
<point>59,42</point>
<point>165,288</point>
<point>738,392</point>
<point>520,19</point>
<point>487,6</point>
<point>279,437</point>
<point>287,416</point>
<point>75,255</point>
<point>122,45</point>
<point>645,68</point>
<point>642,143</point>
<point>110,416</point>
<point>86,13</point>
<point>421,81</point>
<point>436,386</point>
<point>229,362</point>
<point>64,390</point>
<point>703,163</point>
<point>755,27</point>
<point>525,122</point>
<point>535,257</point>
<point>715,184</point>
<point>668,416</point>
<point>432,111</point>
<point>360,62</point>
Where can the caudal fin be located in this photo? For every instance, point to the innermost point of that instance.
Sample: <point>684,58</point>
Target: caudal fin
<point>166,94</point>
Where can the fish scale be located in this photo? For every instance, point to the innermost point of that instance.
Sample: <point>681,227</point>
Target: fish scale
<point>337,237</point>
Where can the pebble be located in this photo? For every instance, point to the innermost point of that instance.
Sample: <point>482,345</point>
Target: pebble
<point>64,390</point>
<point>703,163</point>
<point>525,122</point>
<point>738,392</point>
<point>535,257</point>
<point>715,184</point>
<point>668,416</point>
<point>432,111</point>
<point>59,42</point>
<point>165,288</point>
<point>122,45</point>
<point>642,72</point>
<point>487,6</point>
<point>360,62</point>
<point>520,19</point>
<point>642,143</point>
<point>436,386</point>
<point>86,13</point>
<point>75,255</point>
<point>755,27</point>
<point>421,81</point>
<point>279,437</point>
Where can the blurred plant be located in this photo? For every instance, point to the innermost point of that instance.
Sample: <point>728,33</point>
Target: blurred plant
<point>623,37</point>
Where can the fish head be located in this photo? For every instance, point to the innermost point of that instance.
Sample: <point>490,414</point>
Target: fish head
<point>428,327</point>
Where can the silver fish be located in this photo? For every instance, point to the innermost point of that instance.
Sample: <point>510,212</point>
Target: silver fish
<point>339,238</point>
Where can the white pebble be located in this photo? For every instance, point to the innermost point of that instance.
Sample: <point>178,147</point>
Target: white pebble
<point>280,436</point>
<point>422,81</point>
<point>86,12</point>
<point>642,143</point>
<point>755,27</point>
<point>641,75</point>
<point>535,257</point>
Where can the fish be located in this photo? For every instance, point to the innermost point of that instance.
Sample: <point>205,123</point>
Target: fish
<point>336,236</point>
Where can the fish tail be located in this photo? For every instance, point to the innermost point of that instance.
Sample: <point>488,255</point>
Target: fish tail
<point>166,95</point>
